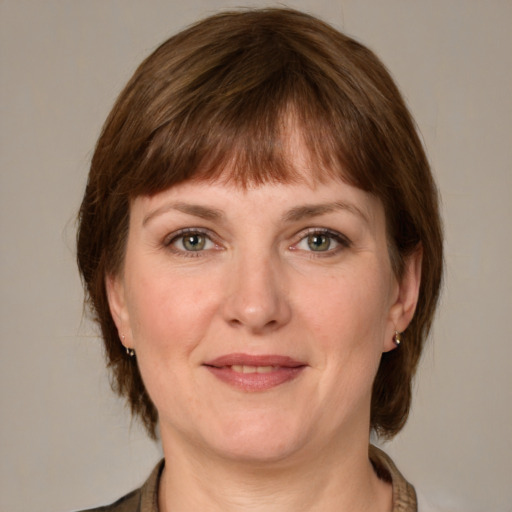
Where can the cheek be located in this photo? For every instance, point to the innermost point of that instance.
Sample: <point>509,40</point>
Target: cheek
<point>348,319</point>
<point>348,306</point>
<point>169,312</point>
<point>345,319</point>
<point>169,318</point>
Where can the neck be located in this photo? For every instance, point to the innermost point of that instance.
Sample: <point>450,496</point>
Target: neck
<point>338,480</point>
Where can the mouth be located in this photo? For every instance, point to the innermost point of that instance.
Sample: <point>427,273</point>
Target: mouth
<point>252,373</point>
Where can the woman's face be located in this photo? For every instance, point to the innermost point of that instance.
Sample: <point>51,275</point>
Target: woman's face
<point>258,316</point>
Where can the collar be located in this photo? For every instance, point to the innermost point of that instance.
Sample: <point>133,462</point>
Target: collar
<point>404,495</point>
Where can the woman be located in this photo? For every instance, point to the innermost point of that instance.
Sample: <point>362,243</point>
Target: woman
<point>260,243</point>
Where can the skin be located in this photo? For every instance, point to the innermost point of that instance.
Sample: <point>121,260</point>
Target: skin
<point>260,284</point>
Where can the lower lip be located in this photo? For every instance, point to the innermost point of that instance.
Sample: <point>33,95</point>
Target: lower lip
<point>256,381</point>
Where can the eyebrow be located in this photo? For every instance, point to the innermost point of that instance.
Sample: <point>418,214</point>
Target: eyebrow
<point>314,210</point>
<point>294,215</point>
<point>196,210</point>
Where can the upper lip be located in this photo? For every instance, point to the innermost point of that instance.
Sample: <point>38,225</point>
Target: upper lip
<point>254,360</point>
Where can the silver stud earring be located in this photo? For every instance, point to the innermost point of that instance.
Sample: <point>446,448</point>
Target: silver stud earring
<point>397,338</point>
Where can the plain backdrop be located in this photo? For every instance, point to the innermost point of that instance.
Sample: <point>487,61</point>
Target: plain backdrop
<point>66,441</point>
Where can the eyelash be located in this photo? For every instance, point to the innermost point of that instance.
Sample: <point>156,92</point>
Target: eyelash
<point>341,240</point>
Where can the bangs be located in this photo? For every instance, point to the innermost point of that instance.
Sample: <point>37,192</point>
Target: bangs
<point>210,111</point>
<point>250,139</point>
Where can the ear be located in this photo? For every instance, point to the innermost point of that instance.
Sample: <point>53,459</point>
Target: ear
<point>406,298</point>
<point>116,300</point>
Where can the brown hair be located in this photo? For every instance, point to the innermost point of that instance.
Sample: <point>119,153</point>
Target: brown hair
<point>217,94</point>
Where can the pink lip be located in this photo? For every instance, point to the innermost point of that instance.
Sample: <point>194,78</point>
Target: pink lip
<point>284,370</point>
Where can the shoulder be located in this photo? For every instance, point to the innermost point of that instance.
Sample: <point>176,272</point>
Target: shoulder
<point>128,503</point>
<point>404,494</point>
<point>144,499</point>
<point>405,497</point>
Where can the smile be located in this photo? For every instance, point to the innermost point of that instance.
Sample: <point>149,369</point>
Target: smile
<point>255,373</point>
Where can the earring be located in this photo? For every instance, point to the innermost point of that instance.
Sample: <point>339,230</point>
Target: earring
<point>397,338</point>
<point>129,351</point>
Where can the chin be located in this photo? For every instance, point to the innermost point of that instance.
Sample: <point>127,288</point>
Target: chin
<point>259,442</point>
<point>258,451</point>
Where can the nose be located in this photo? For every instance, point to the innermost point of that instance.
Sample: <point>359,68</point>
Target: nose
<point>256,296</point>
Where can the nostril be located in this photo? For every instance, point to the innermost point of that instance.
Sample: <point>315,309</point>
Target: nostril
<point>256,327</point>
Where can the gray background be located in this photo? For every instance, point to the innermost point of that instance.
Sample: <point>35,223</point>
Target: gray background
<point>66,442</point>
